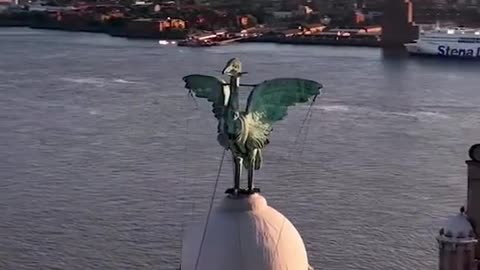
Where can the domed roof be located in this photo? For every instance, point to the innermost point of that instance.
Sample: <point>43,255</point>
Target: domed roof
<point>244,233</point>
<point>458,227</point>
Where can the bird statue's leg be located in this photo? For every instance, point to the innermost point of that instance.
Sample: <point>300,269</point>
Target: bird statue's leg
<point>250,180</point>
<point>251,187</point>
<point>237,173</point>
<point>253,160</point>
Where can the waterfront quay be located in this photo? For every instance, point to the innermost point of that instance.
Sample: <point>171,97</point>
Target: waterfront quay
<point>218,23</point>
<point>81,19</point>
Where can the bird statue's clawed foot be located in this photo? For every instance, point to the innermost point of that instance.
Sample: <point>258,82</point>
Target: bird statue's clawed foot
<point>234,191</point>
<point>252,191</point>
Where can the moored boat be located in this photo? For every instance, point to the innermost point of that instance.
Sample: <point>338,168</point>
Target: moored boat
<point>197,43</point>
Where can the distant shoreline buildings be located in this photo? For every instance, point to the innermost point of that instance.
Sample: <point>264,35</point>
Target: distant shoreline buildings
<point>344,22</point>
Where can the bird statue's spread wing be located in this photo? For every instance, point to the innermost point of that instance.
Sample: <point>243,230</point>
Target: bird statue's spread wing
<point>213,89</point>
<point>216,91</point>
<point>268,103</point>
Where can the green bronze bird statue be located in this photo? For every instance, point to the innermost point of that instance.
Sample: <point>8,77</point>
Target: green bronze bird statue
<point>245,133</point>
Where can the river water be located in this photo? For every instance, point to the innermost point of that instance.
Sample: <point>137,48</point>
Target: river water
<point>104,158</point>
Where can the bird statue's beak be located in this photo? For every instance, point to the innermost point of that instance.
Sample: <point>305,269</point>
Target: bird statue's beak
<point>227,70</point>
<point>233,67</point>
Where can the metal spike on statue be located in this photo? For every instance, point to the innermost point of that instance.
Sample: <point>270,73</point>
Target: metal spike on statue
<point>245,133</point>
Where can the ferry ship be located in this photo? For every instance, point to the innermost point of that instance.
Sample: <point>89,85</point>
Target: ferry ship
<point>449,42</point>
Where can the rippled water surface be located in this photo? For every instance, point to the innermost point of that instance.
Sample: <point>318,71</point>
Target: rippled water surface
<point>104,157</point>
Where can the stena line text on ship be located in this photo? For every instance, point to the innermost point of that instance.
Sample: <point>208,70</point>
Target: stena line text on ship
<point>445,50</point>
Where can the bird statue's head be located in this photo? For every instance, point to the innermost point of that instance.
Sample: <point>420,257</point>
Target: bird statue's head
<point>233,68</point>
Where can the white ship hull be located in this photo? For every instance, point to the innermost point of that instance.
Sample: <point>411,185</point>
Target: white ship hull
<point>457,42</point>
<point>444,49</point>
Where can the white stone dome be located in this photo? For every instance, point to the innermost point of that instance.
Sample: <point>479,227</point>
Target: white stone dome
<point>244,233</point>
<point>458,227</point>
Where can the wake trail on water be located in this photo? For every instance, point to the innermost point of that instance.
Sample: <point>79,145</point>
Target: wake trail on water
<point>368,111</point>
<point>100,82</point>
